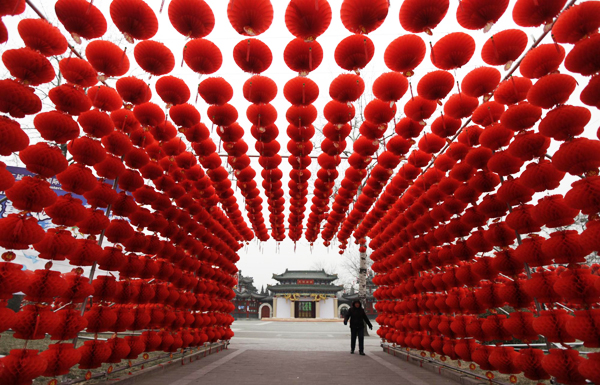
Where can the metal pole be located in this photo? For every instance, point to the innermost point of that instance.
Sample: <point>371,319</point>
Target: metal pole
<point>362,282</point>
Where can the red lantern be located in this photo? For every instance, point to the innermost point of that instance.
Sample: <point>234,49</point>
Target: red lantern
<point>172,90</point>
<point>252,56</point>
<point>28,66</point>
<point>78,71</point>
<point>303,56</point>
<point>417,16</point>
<point>60,359</point>
<point>34,321</point>
<point>563,365</point>
<point>107,58</point>
<point>551,90</point>
<point>530,13</point>
<point>530,362</point>
<point>589,368</point>
<point>542,60</point>
<point>93,354</point>
<point>18,100</point>
<point>576,22</point>
<point>134,18</point>
<point>354,52</point>
<point>13,279</point>
<point>435,85</point>
<point>56,126</point>
<point>452,51</point>
<point>21,366</point>
<point>191,18</point>
<point>308,19</point>
<point>202,56</point>
<point>582,58</point>
<point>18,232</point>
<point>504,47</point>
<point>81,19</point>
<point>478,14</point>
<point>404,54</point>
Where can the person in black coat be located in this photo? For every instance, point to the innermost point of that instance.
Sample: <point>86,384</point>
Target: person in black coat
<point>357,316</point>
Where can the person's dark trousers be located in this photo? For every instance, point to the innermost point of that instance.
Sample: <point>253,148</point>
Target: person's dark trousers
<point>360,333</point>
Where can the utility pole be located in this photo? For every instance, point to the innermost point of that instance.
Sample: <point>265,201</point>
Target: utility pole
<point>362,280</point>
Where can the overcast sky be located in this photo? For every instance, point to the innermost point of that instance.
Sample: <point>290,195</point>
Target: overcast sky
<point>262,260</point>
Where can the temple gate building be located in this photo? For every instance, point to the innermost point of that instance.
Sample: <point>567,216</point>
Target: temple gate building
<point>305,294</point>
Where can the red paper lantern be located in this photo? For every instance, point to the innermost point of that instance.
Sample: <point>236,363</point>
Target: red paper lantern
<point>172,90</point>
<point>33,322</point>
<point>133,90</point>
<point>551,90</point>
<point>404,54</point>
<point>530,13</point>
<point>252,56</point>
<point>354,52</point>
<point>453,50</point>
<point>589,368</point>
<point>459,106</point>
<point>303,56</point>
<point>15,139</point>
<point>78,71</point>
<point>28,66</point>
<point>583,327</point>
<point>21,366</point>
<point>259,89</point>
<point>583,57</point>
<point>19,231</point>
<point>191,18</point>
<point>542,60</point>
<point>563,365</point>
<point>107,58</point>
<point>552,325</point>
<point>69,324</point>
<point>478,14</point>
<point>503,359</point>
<point>134,18</point>
<point>308,19</point>
<point>31,194</point>
<point>60,359</point>
<point>576,22</point>
<point>577,285</point>
<point>504,47</point>
<point>18,100</point>
<point>250,17</point>
<point>390,87</point>
<point>202,56</point>
<point>81,19</point>
<point>416,16</point>
<point>530,362</point>
<point>56,126</point>
<point>93,354</point>
<point>360,16</point>
<point>513,90</point>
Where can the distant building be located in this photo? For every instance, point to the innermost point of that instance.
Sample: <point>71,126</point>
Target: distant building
<point>305,294</point>
<point>298,294</point>
<point>248,300</point>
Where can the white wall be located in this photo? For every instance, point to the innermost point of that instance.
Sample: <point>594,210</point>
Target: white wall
<point>327,308</point>
<point>283,308</point>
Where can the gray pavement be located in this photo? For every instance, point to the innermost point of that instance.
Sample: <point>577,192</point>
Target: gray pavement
<point>269,353</point>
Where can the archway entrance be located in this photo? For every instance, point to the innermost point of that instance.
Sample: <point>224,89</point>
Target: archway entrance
<point>265,312</point>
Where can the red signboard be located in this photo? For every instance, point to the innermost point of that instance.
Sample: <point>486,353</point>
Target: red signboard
<point>306,282</point>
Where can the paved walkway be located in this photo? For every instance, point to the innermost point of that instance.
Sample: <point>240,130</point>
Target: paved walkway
<point>297,353</point>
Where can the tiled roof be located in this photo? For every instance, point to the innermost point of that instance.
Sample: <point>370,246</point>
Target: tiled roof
<point>305,274</point>
<point>329,289</point>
